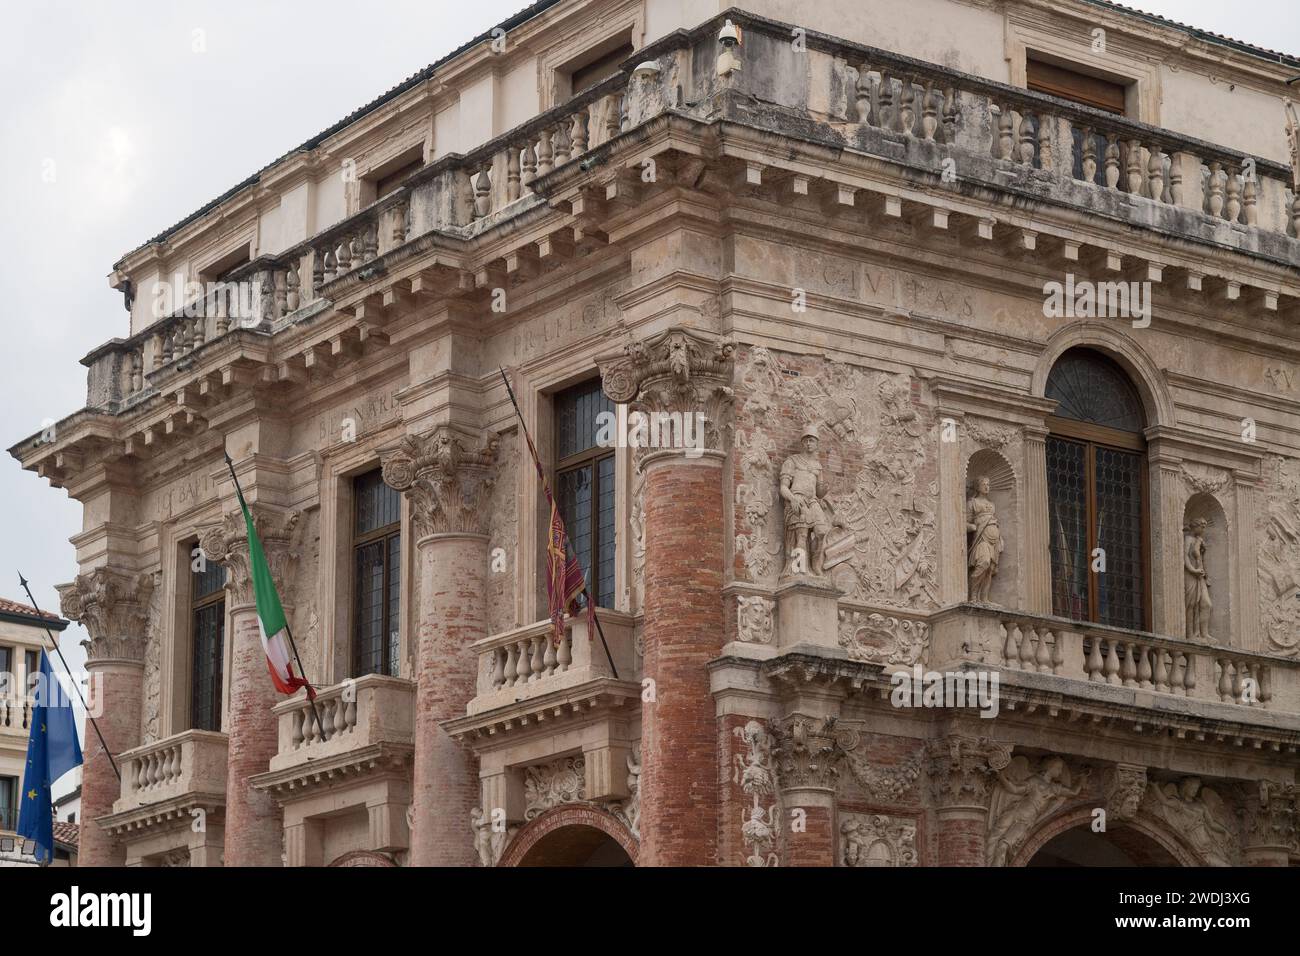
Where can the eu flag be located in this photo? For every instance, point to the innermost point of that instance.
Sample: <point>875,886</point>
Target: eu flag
<point>52,750</point>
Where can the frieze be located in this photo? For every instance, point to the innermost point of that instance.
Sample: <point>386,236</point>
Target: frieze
<point>875,839</point>
<point>882,639</point>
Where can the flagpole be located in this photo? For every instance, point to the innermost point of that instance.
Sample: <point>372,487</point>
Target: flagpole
<point>585,590</point>
<point>311,693</point>
<point>77,687</point>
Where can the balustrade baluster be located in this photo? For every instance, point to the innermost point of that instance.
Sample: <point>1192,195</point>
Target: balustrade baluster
<point>512,665</point>
<point>1010,653</point>
<point>1112,661</point>
<point>1027,649</point>
<point>949,115</point>
<point>512,174</point>
<point>1025,151</point>
<point>1128,669</point>
<point>1250,200</point>
<point>498,677</point>
<point>1111,159</point>
<point>1232,206</point>
<point>564,656</point>
<point>1144,665</point>
<point>1156,173</point>
<point>906,105</point>
<point>1095,665</point>
<point>929,112</point>
<point>1225,680</point>
<point>886,97</point>
<point>548,663</point>
<point>544,153</point>
<point>1160,675</point>
<point>1045,141</point>
<point>862,100</point>
<point>539,656</point>
<point>1133,166</point>
<point>578,135</point>
<point>1215,206</point>
<point>482,194</point>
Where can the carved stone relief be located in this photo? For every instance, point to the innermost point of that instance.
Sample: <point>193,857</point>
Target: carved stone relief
<point>113,606</point>
<point>629,810</point>
<point>1123,787</point>
<point>1024,795</point>
<point>880,782</point>
<point>490,840</point>
<point>881,548</point>
<point>1278,536</point>
<point>502,540</point>
<point>877,840</point>
<point>554,784</point>
<point>880,639</point>
<point>755,772</point>
<point>152,666</point>
<point>1197,814</point>
<point>754,619</point>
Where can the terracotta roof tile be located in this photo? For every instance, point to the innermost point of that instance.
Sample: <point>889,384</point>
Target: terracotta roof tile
<point>23,610</point>
<point>69,833</point>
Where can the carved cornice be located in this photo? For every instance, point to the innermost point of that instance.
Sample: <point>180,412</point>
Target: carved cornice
<point>113,607</point>
<point>963,769</point>
<point>227,543</point>
<point>447,476</point>
<point>682,371</point>
<point>808,753</point>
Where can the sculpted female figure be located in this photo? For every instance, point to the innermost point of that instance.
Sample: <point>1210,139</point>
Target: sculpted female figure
<point>1196,583</point>
<point>985,543</point>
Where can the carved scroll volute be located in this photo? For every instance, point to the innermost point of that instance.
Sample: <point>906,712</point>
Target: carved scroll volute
<point>808,753</point>
<point>681,376</point>
<point>962,770</point>
<point>227,544</point>
<point>113,606</point>
<point>447,476</point>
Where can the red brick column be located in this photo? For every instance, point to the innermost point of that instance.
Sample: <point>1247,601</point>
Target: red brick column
<point>113,607</point>
<point>962,772</point>
<point>254,823</point>
<point>684,375</point>
<point>808,759</point>
<point>447,476</point>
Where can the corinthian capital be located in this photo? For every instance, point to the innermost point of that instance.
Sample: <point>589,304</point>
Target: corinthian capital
<point>226,542</point>
<point>962,769</point>
<point>808,753</point>
<point>1270,812</point>
<point>447,475</point>
<point>680,372</point>
<point>113,607</point>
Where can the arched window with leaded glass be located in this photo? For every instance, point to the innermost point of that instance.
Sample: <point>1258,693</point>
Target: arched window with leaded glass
<point>1097,493</point>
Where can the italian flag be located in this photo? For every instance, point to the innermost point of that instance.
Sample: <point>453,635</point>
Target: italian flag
<point>270,615</point>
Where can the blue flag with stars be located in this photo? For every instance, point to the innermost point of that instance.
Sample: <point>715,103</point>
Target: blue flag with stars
<point>52,750</point>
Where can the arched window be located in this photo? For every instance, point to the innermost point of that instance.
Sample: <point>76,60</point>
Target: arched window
<point>1097,493</point>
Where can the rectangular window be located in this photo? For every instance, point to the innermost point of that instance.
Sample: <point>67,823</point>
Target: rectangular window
<point>377,580</point>
<point>584,484</point>
<point>207,633</point>
<point>8,803</point>
<point>1067,84</point>
<point>7,667</point>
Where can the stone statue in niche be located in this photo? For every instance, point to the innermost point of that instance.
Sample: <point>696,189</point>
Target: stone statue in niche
<point>809,516</point>
<point>985,542</point>
<point>1196,582</point>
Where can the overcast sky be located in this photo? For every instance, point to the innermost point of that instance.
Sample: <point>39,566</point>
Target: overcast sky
<point>140,120</point>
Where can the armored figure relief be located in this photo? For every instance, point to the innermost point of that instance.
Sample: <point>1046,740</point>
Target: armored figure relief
<point>808,514</point>
<point>985,542</point>
<point>1023,799</point>
<point>1196,582</point>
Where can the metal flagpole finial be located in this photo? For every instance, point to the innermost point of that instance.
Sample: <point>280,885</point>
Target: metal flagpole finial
<point>22,581</point>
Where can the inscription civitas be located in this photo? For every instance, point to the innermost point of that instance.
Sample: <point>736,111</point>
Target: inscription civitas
<point>912,292</point>
<point>358,416</point>
<point>1281,377</point>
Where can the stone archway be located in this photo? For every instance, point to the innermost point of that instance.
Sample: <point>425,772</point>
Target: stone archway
<point>1069,840</point>
<point>362,858</point>
<point>574,835</point>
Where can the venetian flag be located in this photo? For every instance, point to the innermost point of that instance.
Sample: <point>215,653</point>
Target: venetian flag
<point>270,615</point>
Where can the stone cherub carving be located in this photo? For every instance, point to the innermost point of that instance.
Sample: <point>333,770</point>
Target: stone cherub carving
<point>1023,799</point>
<point>985,542</point>
<point>1196,812</point>
<point>809,516</point>
<point>1196,581</point>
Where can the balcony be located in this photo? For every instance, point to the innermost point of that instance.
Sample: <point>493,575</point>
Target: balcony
<point>14,714</point>
<point>172,803</point>
<point>342,772</point>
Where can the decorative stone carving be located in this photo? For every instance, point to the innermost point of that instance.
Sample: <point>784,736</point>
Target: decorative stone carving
<point>808,754</point>
<point>962,769</point>
<point>879,639</point>
<point>113,607</point>
<point>754,622</point>
<point>681,372</point>
<point>1293,144</point>
<point>554,784</point>
<point>754,772</point>
<point>1024,796</point>
<point>755,498</point>
<point>1123,786</point>
<point>636,519</point>
<point>884,784</point>
<point>152,664</point>
<point>887,553</point>
<point>985,541</point>
<point>877,840</point>
<point>1278,535</point>
<point>1197,814</point>
<point>447,475</point>
<point>989,436</point>
<point>503,534</point>
<point>629,810</point>
<point>173,858</point>
<point>1203,480</point>
<point>1270,815</point>
<point>808,516</point>
<point>227,543</point>
<point>1196,582</point>
<point>489,841</point>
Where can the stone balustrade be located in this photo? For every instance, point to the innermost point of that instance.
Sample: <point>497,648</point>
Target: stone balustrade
<point>14,715</point>
<point>1097,654</point>
<point>192,762</point>
<point>349,717</point>
<point>526,662</point>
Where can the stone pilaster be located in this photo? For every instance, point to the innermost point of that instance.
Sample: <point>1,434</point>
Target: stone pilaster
<point>962,771</point>
<point>113,606</point>
<point>952,506</point>
<point>1270,825</point>
<point>1037,553</point>
<point>254,822</point>
<point>1168,500</point>
<point>808,759</point>
<point>447,476</point>
<point>680,372</point>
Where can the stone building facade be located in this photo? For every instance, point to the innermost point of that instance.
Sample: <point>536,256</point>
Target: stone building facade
<point>838,264</point>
